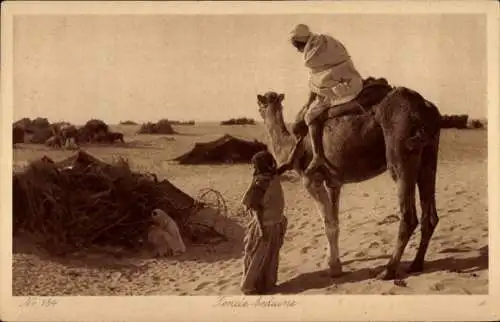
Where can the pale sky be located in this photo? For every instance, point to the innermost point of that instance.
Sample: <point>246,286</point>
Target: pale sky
<point>211,67</point>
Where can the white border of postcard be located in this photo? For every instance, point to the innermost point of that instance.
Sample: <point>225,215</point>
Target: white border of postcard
<point>287,308</point>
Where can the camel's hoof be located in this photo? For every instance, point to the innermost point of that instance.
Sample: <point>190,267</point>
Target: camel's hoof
<point>415,268</point>
<point>335,269</point>
<point>387,275</point>
<point>335,272</point>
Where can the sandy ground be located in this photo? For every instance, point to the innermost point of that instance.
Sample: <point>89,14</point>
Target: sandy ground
<point>457,260</point>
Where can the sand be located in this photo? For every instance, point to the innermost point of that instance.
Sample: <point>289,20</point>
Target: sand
<point>457,260</point>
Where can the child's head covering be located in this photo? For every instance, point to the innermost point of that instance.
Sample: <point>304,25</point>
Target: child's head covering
<point>264,171</point>
<point>264,163</point>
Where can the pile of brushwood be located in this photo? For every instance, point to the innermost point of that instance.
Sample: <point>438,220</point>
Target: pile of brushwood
<point>454,121</point>
<point>161,127</point>
<point>476,124</point>
<point>128,123</point>
<point>239,121</point>
<point>39,128</point>
<point>41,131</point>
<point>82,202</point>
<point>173,122</point>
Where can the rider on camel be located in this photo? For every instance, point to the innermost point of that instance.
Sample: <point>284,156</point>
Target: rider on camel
<point>333,81</point>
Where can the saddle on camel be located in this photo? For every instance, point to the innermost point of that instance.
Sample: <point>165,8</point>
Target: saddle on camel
<point>336,89</point>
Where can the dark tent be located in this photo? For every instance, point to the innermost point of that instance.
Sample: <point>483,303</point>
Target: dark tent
<point>227,149</point>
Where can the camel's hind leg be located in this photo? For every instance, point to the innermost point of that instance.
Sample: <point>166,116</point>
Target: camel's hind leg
<point>405,166</point>
<point>407,120</point>
<point>327,203</point>
<point>407,223</point>
<point>427,189</point>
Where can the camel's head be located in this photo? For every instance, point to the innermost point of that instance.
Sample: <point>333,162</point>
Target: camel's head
<point>270,104</point>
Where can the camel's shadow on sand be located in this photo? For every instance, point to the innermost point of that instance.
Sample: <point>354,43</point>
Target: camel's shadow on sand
<point>321,279</point>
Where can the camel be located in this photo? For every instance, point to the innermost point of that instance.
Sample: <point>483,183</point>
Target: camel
<point>400,133</point>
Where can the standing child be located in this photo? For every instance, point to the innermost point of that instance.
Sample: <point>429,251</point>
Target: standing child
<point>265,232</point>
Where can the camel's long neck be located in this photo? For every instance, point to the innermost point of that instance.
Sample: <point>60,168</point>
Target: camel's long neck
<point>281,141</point>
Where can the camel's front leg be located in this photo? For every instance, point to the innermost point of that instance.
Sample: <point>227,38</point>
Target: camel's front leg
<point>327,204</point>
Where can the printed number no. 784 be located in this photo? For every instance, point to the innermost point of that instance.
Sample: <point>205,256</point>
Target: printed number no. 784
<point>37,301</point>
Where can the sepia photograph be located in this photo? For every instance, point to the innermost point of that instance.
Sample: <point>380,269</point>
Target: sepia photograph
<point>249,158</point>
